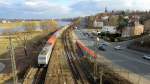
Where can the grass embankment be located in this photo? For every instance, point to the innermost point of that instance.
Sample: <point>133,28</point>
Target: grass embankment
<point>4,41</point>
<point>15,24</point>
<point>18,40</point>
<point>146,42</point>
<point>34,46</point>
<point>10,25</point>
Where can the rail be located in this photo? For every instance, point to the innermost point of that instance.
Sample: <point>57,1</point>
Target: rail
<point>70,58</point>
<point>35,76</point>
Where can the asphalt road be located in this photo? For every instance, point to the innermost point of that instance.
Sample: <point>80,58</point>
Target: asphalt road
<point>125,58</point>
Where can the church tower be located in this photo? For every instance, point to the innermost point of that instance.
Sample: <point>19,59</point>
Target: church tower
<point>106,10</point>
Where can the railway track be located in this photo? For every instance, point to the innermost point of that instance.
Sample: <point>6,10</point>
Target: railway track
<point>40,77</point>
<point>58,69</point>
<point>35,76</point>
<point>78,78</point>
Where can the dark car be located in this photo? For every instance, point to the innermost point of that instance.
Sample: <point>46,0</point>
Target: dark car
<point>101,47</point>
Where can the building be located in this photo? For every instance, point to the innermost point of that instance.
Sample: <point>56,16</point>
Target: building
<point>138,29</point>
<point>135,30</point>
<point>98,24</point>
<point>113,20</point>
<point>110,29</point>
<point>105,17</point>
<point>147,26</point>
<point>4,21</point>
<point>126,32</point>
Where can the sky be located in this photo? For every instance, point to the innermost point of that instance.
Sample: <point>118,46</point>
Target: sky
<point>45,9</point>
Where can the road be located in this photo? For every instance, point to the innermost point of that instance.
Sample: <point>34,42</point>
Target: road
<point>126,58</point>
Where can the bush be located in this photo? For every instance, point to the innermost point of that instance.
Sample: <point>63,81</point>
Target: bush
<point>109,37</point>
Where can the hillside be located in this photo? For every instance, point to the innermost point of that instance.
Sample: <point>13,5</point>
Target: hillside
<point>141,44</point>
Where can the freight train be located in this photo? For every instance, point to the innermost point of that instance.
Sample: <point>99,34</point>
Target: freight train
<point>45,54</point>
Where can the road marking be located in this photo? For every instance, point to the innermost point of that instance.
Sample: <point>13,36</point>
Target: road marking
<point>130,58</point>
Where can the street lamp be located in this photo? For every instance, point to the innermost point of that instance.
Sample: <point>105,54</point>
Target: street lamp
<point>101,72</point>
<point>95,61</point>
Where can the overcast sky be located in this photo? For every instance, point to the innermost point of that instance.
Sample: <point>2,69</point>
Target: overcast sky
<point>65,8</point>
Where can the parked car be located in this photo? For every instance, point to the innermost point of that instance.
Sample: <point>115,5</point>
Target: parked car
<point>146,57</point>
<point>101,47</point>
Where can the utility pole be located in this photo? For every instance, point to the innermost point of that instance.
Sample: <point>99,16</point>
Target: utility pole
<point>95,61</point>
<point>13,63</point>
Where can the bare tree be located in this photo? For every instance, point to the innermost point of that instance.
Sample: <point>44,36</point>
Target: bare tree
<point>24,36</point>
<point>47,25</point>
<point>29,26</point>
<point>44,25</point>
